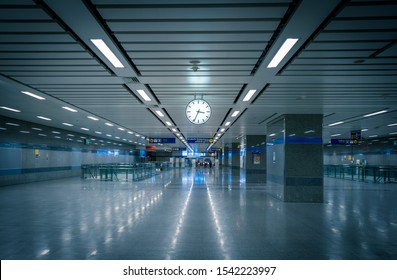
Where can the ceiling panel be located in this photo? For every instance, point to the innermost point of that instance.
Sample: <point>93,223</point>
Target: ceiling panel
<point>343,66</point>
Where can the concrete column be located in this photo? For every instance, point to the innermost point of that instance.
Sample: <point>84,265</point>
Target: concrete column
<point>226,156</point>
<point>235,159</point>
<point>255,160</point>
<point>295,158</point>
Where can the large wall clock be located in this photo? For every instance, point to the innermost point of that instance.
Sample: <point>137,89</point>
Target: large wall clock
<point>198,111</point>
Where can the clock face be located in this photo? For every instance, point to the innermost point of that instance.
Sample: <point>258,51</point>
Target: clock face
<point>198,111</point>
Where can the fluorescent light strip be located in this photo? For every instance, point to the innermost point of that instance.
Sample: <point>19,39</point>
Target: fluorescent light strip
<point>158,112</point>
<point>105,50</point>
<point>92,118</point>
<point>67,124</point>
<point>365,129</point>
<point>144,95</point>
<point>10,109</point>
<point>375,113</point>
<point>109,124</point>
<point>335,123</point>
<point>86,129</point>
<point>282,52</point>
<point>227,124</point>
<point>334,135</point>
<point>168,123</point>
<point>69,109</point>
<point>249,95</point>
<point>33,95</point>
<point>120,128</point>
<point>392,124</point>
<point>235,113</point>
<point>44,118</point>
<point>391,133</point>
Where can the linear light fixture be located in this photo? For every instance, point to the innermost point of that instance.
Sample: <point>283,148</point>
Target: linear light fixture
<point>335,123</point>
<point>144,95</point>
<point>92,118</point>
<point>249,95</point>
<point>86,129</point>
<point>375,113</point>
<point>44,118</point>
<point>159,113</point>
<point>337,134</point>
<point>227,124</point>
<point>120,128</point>
<point>105,50</point>
<point>109,124</point>
<point>33,95</point>
<point>10,109</point>
<point>282,52</point>
<point>235,113</point>
<point>365,129</point>
<point>69,109</point>
<point>392,124</point>
<point>168,123</point>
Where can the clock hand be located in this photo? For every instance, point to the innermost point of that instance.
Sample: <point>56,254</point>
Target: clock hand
<point>196,115</point>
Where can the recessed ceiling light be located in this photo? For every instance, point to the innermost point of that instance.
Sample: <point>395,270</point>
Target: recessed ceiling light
<point>40,134</point>
<point>10,109</point>
<point>365,129</point>
<point>222,130</point>
<point>67,124</point>
<point>227,124</point>
<point>235,113</point>
<point>109,135</point>
<point>86,129</point>
<point>36,128</point>
<point>109,124</point>
<point>273,134</point>
<point>144,95</point>
<point>33,95</point>
<point>24,131</point>
<point>168,123</point>
<point>335,123</point>
<point>174,130</point>
<point>337,134</point>
<point>44,118</point>
<point>120,128</point>
<point>106,51</point>
<point>12,124</point>
<point>375,113</point>
<point>69,109</point>
<point>93,118</point>
<point>282,52</point>
<point>130,132</point>
<point>98,132</point>
<point>70,135</point>
<point>393,133</point>
<point>56,132</point>
<point>249,95</point>
<point>392,124</point>
<point>158,112</point>
<point>372,136</point>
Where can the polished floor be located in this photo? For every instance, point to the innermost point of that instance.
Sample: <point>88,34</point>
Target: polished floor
<point>194,214</point>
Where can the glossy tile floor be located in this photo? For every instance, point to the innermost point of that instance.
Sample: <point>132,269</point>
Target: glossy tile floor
<point>194,214</point>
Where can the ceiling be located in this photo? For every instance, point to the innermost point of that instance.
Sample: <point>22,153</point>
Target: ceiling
<point>343,66</point>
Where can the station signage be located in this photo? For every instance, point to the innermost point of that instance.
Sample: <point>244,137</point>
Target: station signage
<point>177,149</point>
<point>355,135</point>
<point>199,140</point>
<point>162,140</point>
<point>344,142</point>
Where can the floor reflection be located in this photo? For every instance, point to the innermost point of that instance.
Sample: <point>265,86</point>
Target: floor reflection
<point>198,213</point>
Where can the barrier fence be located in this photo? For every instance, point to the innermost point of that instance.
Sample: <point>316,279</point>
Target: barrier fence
<point>121,171</point>
<point>375,174</point>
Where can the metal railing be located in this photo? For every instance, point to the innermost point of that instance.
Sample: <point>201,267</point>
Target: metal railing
<point>121,171</point>
<point>374,174</point>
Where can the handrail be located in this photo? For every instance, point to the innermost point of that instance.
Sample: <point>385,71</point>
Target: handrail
<point>375,174</point>
<point>123,171</point>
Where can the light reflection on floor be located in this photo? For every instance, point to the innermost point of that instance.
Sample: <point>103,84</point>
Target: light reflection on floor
<point>194,214</point>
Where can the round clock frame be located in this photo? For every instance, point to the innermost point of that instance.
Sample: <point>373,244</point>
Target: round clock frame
<point>198,111</point>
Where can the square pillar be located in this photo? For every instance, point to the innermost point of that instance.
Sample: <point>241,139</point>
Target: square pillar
<point>255,160</point>
<point>295,158</point>
<point>235,159</point>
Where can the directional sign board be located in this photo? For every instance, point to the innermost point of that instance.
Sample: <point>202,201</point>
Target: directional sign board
<point>344,142</point>
<point>162,140</point>
<point>199,140</point>
<point>355,135</point>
